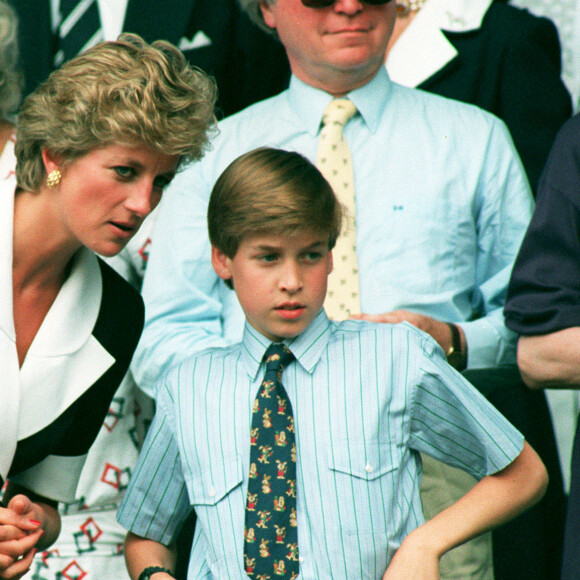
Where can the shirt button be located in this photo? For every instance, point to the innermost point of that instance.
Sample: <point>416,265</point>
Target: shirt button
<point>368,468</point>
<point>211,492</point>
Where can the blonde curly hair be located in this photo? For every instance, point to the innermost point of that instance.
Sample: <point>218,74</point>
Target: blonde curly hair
<point>125,92</point>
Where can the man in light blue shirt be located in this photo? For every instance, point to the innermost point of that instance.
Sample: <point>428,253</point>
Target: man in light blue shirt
<point>355,407</point>
<point>442,201</point>
<point>442,205</point>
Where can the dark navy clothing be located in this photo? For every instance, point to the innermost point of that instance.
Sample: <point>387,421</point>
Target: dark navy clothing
<point>544,292</point>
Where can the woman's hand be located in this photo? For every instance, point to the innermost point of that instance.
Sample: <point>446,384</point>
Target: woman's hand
<point>20,531</point>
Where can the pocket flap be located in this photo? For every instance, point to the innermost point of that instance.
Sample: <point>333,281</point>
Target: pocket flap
<point>365,460</point>
<point>218,479</point>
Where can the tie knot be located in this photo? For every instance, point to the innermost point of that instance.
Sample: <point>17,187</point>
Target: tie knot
<point>278,356</point>
<point>338,111</point>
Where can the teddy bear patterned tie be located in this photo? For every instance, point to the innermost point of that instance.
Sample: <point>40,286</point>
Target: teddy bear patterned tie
<point>335,163</point>
<point>270,533</point>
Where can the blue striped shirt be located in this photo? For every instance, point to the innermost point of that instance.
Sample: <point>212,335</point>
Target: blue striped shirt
<point>367,398</point>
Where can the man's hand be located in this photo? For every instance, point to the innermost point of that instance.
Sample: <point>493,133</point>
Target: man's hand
<point>438,330</point>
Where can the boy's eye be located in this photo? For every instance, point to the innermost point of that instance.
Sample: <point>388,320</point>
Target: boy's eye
<point>124,171</point>
<point>312,256</point>
<point>268,257</point>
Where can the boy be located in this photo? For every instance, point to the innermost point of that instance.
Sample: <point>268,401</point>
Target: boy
<point>334,490</point>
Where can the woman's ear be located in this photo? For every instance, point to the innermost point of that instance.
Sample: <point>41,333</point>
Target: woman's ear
<point>221,264</point>
<point>51,161</point>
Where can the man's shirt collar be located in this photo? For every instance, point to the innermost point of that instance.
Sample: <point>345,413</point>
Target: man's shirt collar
<point>370,100</point>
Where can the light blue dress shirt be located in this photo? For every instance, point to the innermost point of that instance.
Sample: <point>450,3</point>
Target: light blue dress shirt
<point>442,203</point>
<point>366,399</point>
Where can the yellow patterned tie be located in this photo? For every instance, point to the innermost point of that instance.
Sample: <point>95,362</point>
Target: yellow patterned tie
<point>335,163</point>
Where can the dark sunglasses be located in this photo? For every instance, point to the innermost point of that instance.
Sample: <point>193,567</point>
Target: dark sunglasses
<point>327,3</point>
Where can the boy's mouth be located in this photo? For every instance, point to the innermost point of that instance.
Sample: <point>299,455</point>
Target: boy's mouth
<point>290,310</point>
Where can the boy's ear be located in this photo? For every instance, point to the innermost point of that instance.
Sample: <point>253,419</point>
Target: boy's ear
<point>221,264</point>
<point>330,262</point>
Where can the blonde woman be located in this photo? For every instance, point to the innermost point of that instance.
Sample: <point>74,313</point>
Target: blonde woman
<point>95,147</point>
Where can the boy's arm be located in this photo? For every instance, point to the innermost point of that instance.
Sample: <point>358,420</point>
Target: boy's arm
<point>492,501</point>
<point>141,553</point>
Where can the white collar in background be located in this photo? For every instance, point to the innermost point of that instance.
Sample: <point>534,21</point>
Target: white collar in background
<point>423,49</point>
<point>112,14</point>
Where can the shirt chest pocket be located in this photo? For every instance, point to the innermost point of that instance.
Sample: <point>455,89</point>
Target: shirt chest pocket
<point>363,460</point>
<point>365,478</point>
<point>218,478</point>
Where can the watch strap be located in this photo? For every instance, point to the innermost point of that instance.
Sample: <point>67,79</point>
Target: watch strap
<point>455,355</point>
<point>149,571</point>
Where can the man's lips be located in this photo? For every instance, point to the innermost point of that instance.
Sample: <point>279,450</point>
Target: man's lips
<point>349,30</point>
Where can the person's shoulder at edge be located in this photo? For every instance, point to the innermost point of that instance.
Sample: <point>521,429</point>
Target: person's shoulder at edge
<point>564,155</point>
<point>248,116</point>
<point>506,21</point>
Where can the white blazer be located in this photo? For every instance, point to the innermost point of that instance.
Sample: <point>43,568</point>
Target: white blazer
<point>63,361</point>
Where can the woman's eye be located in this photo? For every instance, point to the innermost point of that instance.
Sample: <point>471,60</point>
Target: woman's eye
<point>161,182</point>
<point>124,172</point>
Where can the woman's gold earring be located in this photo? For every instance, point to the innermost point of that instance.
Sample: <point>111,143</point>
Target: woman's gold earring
<point>53,178</point>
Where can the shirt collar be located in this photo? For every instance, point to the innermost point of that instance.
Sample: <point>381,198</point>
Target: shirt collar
<point>309,103</point>
<point>306,347</point>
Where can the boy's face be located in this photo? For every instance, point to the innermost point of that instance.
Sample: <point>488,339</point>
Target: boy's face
<point>280,281</point>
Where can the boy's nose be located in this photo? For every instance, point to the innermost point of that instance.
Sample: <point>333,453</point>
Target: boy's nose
<point>292,277</point>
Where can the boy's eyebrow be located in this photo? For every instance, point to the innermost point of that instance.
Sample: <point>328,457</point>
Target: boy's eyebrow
<point>269,247</point>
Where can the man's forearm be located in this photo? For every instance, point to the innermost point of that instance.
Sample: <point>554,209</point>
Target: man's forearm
<point>551,360</point>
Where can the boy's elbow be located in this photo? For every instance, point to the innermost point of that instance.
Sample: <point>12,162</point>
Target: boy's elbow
<point>536,476</point>
<point>542,480</point>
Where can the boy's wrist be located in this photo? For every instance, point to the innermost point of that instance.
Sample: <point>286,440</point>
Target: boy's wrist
<point>154,573</point>
<point>422,542</point>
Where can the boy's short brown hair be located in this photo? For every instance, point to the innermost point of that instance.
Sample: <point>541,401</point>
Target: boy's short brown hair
<point>271,191</point>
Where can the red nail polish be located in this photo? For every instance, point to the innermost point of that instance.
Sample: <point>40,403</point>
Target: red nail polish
<point>35,522</point>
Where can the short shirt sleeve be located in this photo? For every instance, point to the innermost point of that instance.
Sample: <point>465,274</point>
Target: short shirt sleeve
<point>452,422</point>
<point>156,502</point>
